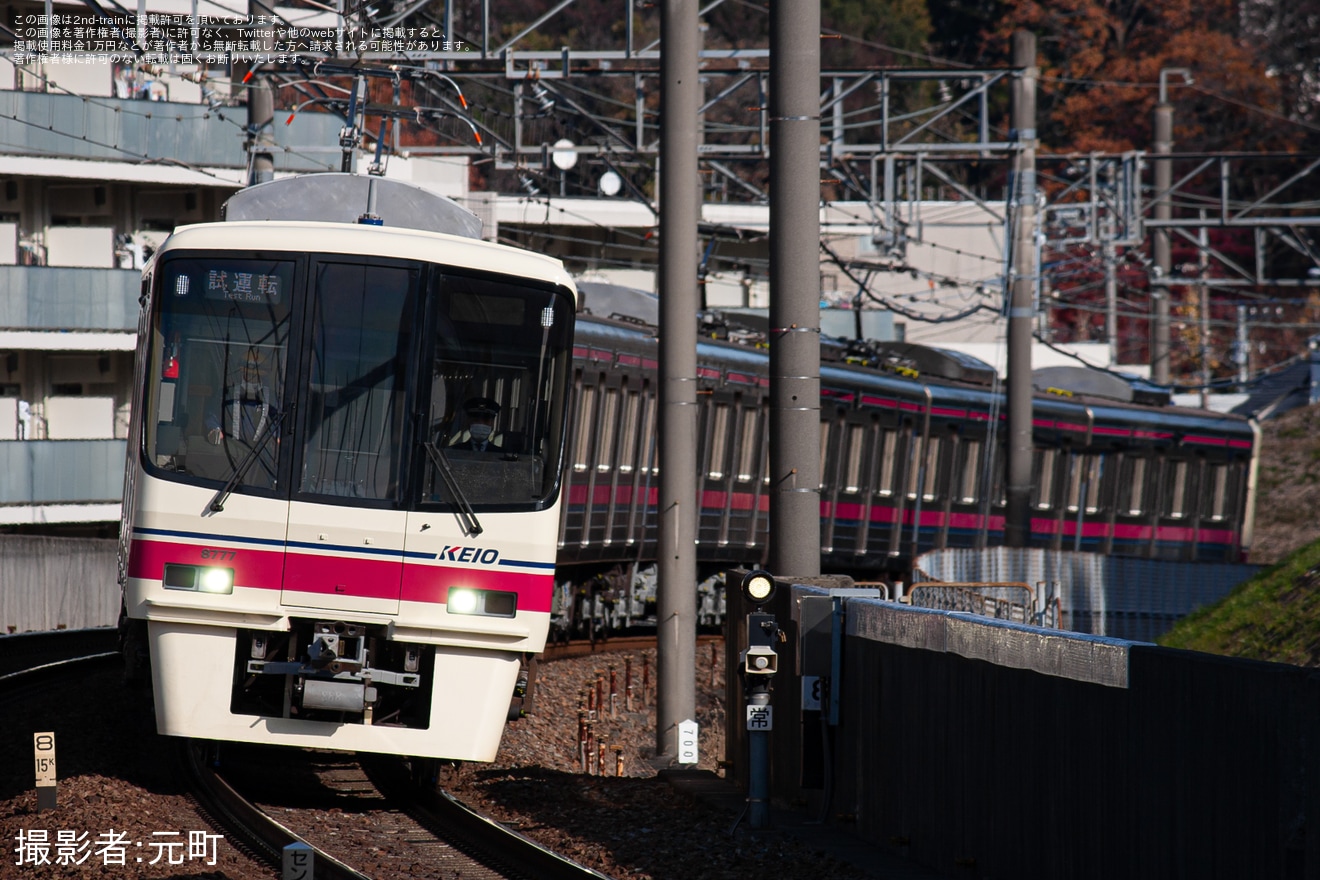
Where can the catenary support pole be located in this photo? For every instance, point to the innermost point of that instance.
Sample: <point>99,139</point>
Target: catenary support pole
<point>795,288</point>
<point>1159,291</point>
<point>261,97</point>
<point>1017,525</point>
<point>680,207</point>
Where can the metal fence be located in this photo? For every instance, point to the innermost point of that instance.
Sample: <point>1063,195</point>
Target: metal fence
<point>57,583</point>
<point>1123,597</point>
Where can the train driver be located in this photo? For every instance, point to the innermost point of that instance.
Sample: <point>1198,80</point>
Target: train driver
<point>249,408</point>
<point>481,413</point>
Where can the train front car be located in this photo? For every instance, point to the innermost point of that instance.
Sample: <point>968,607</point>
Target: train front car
<point>344,489</point>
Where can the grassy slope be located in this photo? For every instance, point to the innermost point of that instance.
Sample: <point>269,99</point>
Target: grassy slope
<point>1274,616</point>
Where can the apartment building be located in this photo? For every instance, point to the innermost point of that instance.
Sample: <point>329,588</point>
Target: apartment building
<point>98,163</point>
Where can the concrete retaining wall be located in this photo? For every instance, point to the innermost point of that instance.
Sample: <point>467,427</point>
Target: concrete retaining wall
<point>992,750</point>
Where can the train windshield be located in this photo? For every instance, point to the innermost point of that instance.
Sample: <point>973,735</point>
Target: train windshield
<point>351,380</point>
<point>218,367</point>
<point>497,359</point>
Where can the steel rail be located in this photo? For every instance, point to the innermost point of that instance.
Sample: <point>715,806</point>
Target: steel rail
<point>481,838</point>
<point>255,831</point>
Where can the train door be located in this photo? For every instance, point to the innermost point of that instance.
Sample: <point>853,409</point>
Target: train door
<point>346,521</point>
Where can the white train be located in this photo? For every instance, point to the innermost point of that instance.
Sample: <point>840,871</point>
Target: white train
<point>342,498</point>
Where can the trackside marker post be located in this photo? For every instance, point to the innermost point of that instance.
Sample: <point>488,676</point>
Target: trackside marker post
<point>687,742</point>
<point>43,749</point>
<point>299,861</point>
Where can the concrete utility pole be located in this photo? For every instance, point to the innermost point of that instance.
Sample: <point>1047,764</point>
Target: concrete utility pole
<point>795,288</point>
<point>1203,262</point>
<point>1159,291</point>
<point>1110,258</point>
<point>1017,524</point>
<point>680,212</point>
<point>261,98</point>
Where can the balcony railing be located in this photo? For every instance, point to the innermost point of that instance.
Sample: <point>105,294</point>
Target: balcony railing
<point>61,471</point>
<point>115,129</point>
<point>62,298</point>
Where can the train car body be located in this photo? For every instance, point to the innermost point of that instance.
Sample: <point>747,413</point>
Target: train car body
<point>315,551</point>
<point>911,461</point>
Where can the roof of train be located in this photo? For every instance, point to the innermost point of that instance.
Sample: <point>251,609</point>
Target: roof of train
<point>302,236</point>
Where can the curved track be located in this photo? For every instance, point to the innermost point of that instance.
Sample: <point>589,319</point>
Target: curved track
<point>471,845</point>
<point>369,810</point>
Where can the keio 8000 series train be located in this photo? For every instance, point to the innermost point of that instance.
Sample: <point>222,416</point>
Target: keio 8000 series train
<point>372,465</point>
<point>912,460</point>
<point>319,548</point>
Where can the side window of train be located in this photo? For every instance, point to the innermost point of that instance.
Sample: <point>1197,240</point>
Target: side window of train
<point>719,441</point>
<point>856,457</point>
<point>1131,486</point>
<point>650,441</point>
<point>826,432</point>
<point>749,443</point>
<point>969,471</point>
<point>886,453</point>
<point>586,417</point>
<point>923,471</point>
<point>628,430</point>
<point>609,415</point>
<point>920,475</point>
<point>1175,489</point>
<point>1043,485</point>
<point>1217,493</point>
<point>1084,483</point>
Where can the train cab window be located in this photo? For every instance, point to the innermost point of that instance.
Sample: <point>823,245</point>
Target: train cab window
<point>217,372</point>
<point>852,480</point>
<point>969,474</point>
<point>749,444</point>
<point>1043,488</point>
<point>353,413</point>
<point>605,454</point>
<point>499,354</point>
<point>719,441</point>
<point>586,421</point>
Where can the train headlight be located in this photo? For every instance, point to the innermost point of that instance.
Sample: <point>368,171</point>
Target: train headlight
<point>488,603</point>
<point>462,602</point>
<point>198,578</point>
<point>216,580</point>
<point>758,587</point>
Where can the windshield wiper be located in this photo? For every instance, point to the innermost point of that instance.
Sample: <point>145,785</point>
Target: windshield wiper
<point>467,517</point>
<point>218,502</point>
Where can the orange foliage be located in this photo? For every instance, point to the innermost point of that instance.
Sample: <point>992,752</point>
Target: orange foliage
<point>1100,65</point>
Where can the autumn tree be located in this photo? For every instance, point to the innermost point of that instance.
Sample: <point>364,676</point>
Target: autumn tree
<point>1100,64</point>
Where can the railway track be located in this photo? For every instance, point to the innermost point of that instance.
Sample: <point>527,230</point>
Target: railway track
<point>414,831</point>
<point>369,810</point>
<point>583,647</point>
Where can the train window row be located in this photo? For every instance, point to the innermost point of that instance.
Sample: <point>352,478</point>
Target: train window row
<point>857,458</point>
<point>616,431</point>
